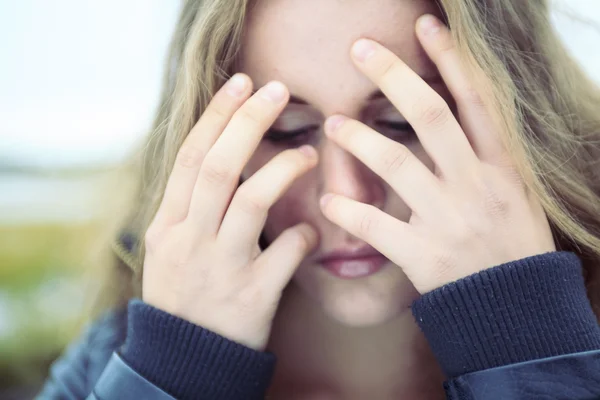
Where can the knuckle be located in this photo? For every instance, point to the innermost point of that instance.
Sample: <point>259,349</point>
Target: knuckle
<point>472,97</point>
<point>494,203</point>
<point>249,116</point>
<point>248,202</point>
<point>219,109</point>
<point>496,206</point>
<point>389,69</point>
<point>190,156</point>
<point>367,223</point>
<point>215,171</point>
<point>468,229</point>
<point>463,232</point>
<point>152,238</point>
<point>432,113</point>
<point>394,159</point>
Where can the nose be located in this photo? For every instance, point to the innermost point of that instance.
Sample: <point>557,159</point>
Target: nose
<point>342,173</point>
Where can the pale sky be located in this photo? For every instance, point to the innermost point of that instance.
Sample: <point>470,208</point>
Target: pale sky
<point>79,79</point>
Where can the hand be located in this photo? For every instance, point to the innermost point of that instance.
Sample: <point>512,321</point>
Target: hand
<point>202,260</point>
<point>473,212</point>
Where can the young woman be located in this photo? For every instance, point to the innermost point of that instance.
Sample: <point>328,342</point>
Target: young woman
<point>396,199</point>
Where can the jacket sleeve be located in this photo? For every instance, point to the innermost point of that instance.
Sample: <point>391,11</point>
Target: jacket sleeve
<point>522,330</point>
<point>67,378</point>
<point>74,373</point>
<point>163,358</point>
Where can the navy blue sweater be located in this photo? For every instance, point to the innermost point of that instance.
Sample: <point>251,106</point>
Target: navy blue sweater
<point>521,330</point>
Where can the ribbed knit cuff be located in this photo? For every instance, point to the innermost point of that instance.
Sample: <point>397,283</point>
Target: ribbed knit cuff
<point>190,362</point>
<point>523,310</point>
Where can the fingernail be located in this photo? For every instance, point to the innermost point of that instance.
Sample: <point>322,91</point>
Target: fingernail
<point>274,91</point>
<point>429,24</point>
<point>236,85</point>
<point>333,123</point>
<point>326,199</point>
<point>308,151</point>
<point>363,49</point>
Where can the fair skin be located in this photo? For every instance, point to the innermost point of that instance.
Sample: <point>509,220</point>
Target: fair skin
<point>344,315</point>
<point>441,204</point>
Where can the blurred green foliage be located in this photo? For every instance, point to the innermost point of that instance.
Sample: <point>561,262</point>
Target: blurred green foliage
<point>43,288</point>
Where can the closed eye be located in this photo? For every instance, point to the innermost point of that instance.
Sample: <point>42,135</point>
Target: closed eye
<point>397,130</point>
<point>397,125</point>
<point>292,136</point>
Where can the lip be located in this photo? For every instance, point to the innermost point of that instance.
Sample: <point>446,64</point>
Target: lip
<point>352,263</point>
<point>349,253</point>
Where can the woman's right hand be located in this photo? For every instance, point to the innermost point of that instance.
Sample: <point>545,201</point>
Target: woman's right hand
<point>202,260</point>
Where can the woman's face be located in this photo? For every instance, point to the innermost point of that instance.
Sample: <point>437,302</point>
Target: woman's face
<point>306,45</point>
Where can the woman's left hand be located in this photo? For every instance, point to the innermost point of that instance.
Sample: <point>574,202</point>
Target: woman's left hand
<point>473,212</point>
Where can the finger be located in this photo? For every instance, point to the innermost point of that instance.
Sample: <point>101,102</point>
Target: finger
<point>393,238</point>
<point>220,172</point>
<point>279,261</point>
<point>476,122</point>
<point>178,192</point>
<point>427,112</point>
<point>393,162</point>
<point>245,218</point>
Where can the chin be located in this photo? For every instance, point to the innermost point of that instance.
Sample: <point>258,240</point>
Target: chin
<point>367,301</point>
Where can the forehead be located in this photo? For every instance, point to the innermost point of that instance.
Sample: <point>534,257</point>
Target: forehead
<point>306,43</point>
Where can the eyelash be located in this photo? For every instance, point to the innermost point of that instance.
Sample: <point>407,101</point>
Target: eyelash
<point>408,131</point>
<point>294,136</point>
<point>288,137</point>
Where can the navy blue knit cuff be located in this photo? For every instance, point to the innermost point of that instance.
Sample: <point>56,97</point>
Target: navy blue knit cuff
<point>190,362</point>
<point>523,310</point>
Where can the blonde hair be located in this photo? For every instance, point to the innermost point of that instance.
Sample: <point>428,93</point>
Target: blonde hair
<point>542,99</point>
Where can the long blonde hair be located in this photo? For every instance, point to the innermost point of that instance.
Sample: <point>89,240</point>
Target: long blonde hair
<point>545,103</point>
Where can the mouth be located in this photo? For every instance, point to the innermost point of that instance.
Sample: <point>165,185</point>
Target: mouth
<point>353,263</point>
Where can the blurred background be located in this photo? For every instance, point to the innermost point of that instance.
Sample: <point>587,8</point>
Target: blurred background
<point>79,81</point>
